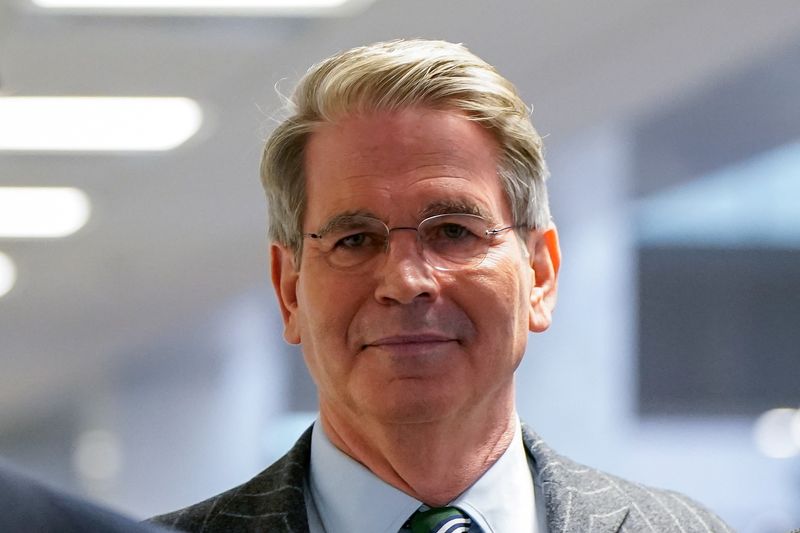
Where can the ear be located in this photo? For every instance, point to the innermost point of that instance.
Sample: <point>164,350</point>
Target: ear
<point>545,258</point>
<point>284,280</point>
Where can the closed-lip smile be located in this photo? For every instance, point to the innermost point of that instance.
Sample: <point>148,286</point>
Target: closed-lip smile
<point>411,339</point>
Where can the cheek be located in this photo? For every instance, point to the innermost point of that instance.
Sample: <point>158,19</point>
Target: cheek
<point>327,304</point>
<point>503,279</point>
<point>320,338</point>
<point>501,296</point>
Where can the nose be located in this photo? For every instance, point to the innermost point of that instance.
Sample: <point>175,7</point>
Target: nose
<point>405,276</point>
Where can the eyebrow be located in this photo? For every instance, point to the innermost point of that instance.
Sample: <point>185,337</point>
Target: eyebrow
<point>344,220</point>
<point>442,207</point>
<point>446,207</point>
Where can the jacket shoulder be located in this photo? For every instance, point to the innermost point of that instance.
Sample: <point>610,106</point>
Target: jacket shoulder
<point>273,500</point>
<point>578,498</point>
<point>657,509</point>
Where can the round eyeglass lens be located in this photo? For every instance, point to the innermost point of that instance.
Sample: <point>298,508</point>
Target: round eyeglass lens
<point>354,242</point>
<point>454,241</point>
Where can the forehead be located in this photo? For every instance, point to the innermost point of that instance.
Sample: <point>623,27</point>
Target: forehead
<point>397,164</point>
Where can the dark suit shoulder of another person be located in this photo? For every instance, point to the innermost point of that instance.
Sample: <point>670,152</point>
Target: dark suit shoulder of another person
<point>577,499</point>
<point>27,505</point>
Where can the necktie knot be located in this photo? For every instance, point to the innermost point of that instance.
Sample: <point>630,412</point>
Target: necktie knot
<point>439,520</point>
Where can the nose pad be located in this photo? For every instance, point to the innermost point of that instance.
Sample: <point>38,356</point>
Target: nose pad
<point>405,275</point>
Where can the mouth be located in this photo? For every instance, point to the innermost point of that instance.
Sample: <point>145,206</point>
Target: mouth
<point>412,342</point>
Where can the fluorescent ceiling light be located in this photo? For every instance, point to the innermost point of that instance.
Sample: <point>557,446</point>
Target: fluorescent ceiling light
<point>34,212</point>
<point>96,124</point>
<point>8,274</point>
<point>228,7</point>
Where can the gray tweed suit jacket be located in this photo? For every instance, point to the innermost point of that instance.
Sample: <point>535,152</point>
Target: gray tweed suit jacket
<point>578,499</point>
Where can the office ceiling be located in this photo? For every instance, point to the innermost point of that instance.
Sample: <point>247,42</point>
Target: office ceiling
<point>175,235</point>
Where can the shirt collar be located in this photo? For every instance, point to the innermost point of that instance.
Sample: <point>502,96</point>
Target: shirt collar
<point>502,499</point>
<point>349,497</point>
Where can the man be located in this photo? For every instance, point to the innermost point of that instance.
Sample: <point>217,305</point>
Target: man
<point>412,252</point>
<point>26,505</point>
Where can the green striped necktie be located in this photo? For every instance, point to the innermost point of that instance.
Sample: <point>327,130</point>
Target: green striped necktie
<point>439,520</point>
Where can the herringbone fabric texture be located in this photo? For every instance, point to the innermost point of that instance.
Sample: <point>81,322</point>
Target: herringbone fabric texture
<point>577,499</point>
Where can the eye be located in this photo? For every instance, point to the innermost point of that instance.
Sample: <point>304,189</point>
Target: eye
<point>358,240</point>
<point>452,235</point>
<point>449,232</point>
<point>453,231</point>
<point>355,240</point>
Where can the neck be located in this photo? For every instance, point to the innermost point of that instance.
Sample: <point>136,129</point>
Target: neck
<point>432,461</point>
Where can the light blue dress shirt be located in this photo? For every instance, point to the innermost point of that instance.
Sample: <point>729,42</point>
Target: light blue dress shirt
<point>342,496</point>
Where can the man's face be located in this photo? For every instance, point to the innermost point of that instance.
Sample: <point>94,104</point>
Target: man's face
<point>405,342</point>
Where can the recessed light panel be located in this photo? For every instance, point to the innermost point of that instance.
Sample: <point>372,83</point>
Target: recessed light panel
<point>8,274</point>
<point>36,212</point>
<point>86,124</point>
<point>773,433</point>
<point>197,7</point>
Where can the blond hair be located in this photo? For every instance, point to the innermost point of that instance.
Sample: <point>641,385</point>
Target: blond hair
<point>396,75</point>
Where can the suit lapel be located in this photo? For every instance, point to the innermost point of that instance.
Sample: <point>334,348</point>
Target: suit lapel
<point>290,480</point>
<point>272,501</point>
<point>576,497</point>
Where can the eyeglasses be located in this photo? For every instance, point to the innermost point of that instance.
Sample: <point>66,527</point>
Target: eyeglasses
<point>447,242</point>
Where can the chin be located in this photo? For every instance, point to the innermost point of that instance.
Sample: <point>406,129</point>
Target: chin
<point>414,406</point>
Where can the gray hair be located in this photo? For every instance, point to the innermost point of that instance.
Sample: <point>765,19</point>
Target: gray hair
<point>396,75</point>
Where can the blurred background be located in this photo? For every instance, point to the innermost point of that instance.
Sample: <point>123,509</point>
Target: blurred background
<point>141,358</point>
